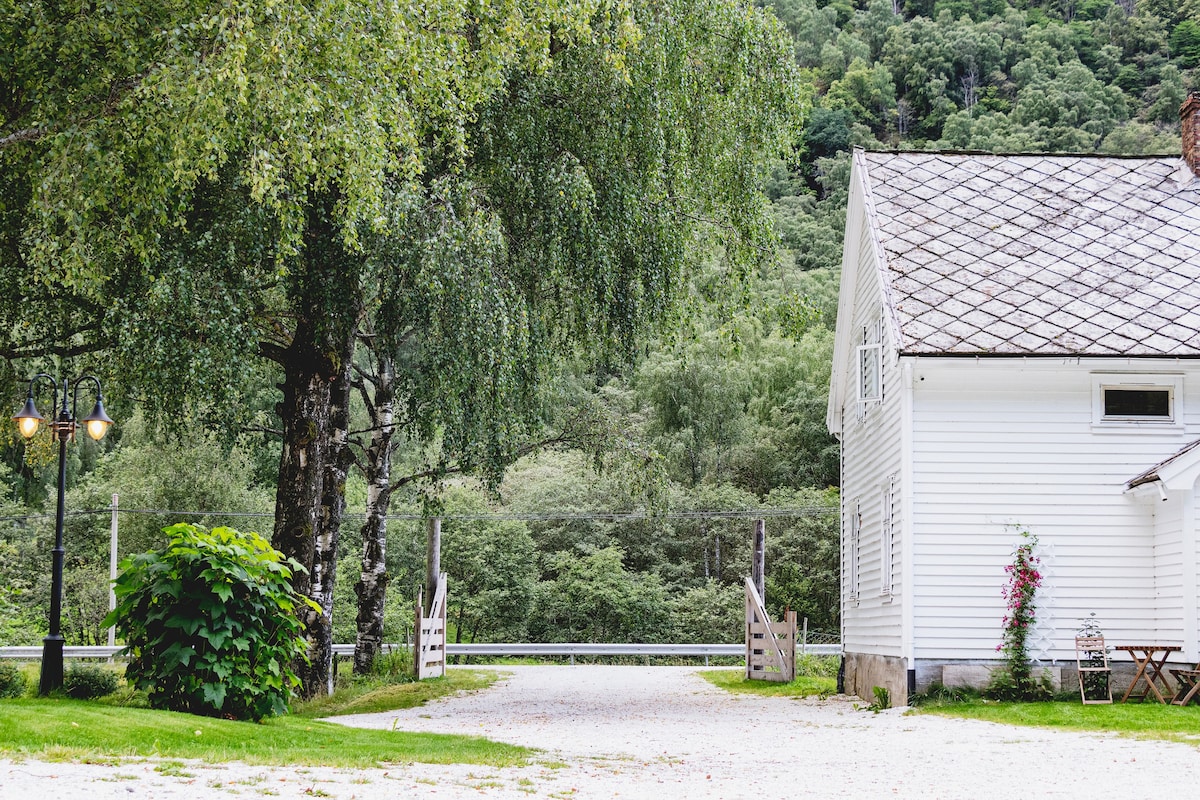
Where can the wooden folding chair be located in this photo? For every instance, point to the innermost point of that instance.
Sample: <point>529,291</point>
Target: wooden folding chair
<point>1189,686</point>
<point>1091,659</point>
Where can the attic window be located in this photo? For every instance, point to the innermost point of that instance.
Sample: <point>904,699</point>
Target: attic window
<point>1145,403</point>
<point>1134,400</point>
<point>870,365</point>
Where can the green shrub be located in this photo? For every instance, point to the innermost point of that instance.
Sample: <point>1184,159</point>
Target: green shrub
<point>1032,688</point>
<point>210,623</point>
<point>87,681</point>
<point>12,680</point>
<point>940,694</point>
<point>814,666</point>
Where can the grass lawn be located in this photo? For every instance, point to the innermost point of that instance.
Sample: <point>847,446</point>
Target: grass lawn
<point>97,731</point>
<point>1139,720</point>
<point>734,680</point>
<point>367,697</point>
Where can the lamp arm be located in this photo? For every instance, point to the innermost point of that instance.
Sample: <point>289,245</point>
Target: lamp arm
<point>75,393</point>
<point>54,386</point>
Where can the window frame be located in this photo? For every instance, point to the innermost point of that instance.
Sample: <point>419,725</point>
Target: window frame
<point>887,543</point>
<point>1104,382</point>
<point>853,536</point>
<point>869,365</point>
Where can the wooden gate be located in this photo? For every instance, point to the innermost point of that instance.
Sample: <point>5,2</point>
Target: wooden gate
<point>429,639</point>
<point>770,646</point>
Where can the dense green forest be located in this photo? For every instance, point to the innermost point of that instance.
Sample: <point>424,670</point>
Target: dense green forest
<point>596,534</point>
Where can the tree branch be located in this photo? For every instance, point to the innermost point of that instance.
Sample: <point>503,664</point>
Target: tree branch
<point>564,437</point>
<point>262,429</point>
<point>27,135</point>
<point>116,91</point>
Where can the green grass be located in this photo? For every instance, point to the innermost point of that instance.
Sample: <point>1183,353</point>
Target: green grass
<point>368,697</point>
<point>1139,720</point>
<point>63,729</point>
<point>734,680</point>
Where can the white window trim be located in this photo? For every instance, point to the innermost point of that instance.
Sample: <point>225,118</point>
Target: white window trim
<point>1171,382</point>
<point>852,548</point>
<point>887,538</point>
<point>868,362</point>
<point>874,352</point>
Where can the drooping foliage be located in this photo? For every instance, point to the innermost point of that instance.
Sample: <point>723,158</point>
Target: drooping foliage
<point>499,202</point>
<point>209,624</point>
<point>324,164</point>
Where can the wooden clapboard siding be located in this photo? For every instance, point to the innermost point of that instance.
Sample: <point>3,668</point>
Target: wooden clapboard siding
<point>1001,443</point>
<point>872,621</point>
<point>1168,567</point>
<point>1191,582</point>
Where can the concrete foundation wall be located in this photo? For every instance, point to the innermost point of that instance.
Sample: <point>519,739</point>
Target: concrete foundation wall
<point>975,675</point>
<point>863,672</point>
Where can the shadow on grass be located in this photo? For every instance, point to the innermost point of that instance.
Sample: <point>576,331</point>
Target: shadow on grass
<point>57,728</point>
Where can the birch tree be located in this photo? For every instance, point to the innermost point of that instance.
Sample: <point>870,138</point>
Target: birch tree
<point>221,184</point>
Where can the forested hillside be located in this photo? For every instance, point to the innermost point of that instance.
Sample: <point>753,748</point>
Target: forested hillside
<point>631,518</point>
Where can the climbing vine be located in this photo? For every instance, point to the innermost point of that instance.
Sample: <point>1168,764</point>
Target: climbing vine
<point>1016,680</point>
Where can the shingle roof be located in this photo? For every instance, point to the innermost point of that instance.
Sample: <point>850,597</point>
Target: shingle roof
<point>1037,255</point>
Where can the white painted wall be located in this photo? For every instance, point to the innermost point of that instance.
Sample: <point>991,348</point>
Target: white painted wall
<point>1001,443</point>
<point>1168,520</point>
<point>872,621</point>
<point>1191,582</point>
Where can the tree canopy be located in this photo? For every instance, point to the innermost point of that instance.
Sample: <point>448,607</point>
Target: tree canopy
<point>487,185</point>
<point>527,217</point>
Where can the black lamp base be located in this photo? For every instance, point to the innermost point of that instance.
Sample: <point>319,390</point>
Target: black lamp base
<point>52,665</point>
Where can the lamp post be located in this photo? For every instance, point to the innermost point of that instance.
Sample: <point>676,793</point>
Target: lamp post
<point>62,428</point>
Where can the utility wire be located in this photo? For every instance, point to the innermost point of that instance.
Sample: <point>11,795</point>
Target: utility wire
<point>609,516</point>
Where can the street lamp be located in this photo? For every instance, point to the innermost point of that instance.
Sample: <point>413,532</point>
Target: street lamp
<point>63,430</point>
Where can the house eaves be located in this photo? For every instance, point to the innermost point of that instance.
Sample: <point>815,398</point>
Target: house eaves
<point>1180,471</point>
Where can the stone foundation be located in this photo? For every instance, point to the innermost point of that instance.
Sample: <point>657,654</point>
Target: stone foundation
<point>977,676</point>
<point>863,672</point>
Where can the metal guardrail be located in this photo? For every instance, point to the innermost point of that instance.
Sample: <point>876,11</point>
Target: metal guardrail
<point>572,649</point>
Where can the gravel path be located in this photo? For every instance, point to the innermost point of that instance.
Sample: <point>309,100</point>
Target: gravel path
<point>664,732</point>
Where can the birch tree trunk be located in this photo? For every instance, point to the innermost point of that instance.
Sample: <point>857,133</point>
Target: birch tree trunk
<point>371,588</point>
<point>315,412</point>
<point>300,524</point>
<point>333,506</point>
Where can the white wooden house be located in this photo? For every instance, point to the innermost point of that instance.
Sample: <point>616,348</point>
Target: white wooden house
<point>1018,348</point>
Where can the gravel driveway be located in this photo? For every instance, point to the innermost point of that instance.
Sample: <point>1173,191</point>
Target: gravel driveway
<point>664,732</point>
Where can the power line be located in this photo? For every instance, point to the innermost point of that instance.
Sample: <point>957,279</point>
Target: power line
<point>606,516</point>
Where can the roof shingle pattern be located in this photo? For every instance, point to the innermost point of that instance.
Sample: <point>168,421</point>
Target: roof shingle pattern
<point>1038,255</point>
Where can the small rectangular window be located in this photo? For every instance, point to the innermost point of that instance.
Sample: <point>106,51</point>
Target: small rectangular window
<point>1134,401</point>
<point>870,364</point>
<point>1128,403</point>
<point>868,373</point>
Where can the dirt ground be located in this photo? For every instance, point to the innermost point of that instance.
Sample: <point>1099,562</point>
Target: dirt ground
<point>664,732</point>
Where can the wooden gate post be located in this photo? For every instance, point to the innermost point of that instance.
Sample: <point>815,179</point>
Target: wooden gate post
<point>433,562</point>
<point>759,567</point>
<point>770,646</point>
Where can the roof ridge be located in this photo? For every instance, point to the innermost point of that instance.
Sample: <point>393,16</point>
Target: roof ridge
<point>1021,154</point>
